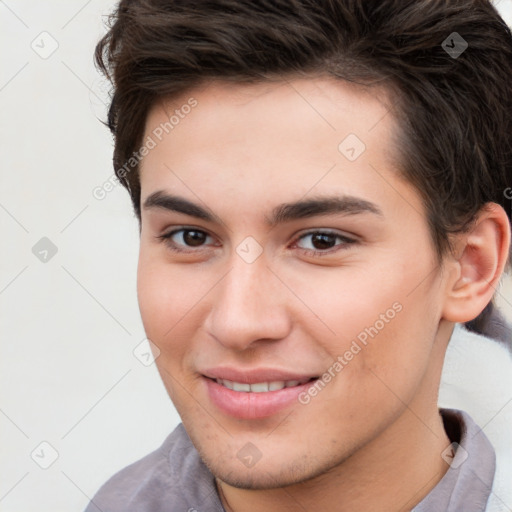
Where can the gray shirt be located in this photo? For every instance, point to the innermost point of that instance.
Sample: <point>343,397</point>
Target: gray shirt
<point>175,479</point>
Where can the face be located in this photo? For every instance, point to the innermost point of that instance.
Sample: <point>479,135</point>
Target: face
<point>285,259</point>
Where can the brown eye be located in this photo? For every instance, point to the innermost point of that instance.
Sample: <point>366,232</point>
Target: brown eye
<point>179,239</point>
<point>193,238</point>
<point>322,242</point>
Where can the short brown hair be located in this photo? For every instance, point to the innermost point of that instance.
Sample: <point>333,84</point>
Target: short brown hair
<point>454,111</point>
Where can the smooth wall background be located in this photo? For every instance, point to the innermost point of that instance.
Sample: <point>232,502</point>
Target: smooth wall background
<point>79,397</point>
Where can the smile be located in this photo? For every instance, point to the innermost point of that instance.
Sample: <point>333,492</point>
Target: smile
<point>260,387</point>
<point>255,400</point>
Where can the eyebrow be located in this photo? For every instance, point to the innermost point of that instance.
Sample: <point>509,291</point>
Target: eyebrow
<point>286,212</point>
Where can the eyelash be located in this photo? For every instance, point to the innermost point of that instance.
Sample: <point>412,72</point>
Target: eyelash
<point>166,238</point>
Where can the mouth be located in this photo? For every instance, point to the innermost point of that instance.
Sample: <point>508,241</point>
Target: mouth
<point>255,400</point>
<point>262,387</point>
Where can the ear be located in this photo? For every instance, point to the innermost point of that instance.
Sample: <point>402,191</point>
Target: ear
<point>474,272</point>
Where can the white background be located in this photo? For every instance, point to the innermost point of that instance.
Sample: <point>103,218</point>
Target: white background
<point>69,326</point>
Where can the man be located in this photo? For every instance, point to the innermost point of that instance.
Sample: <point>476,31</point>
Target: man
<point>320,191</point>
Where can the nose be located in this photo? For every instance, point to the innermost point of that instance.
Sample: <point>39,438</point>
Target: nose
<point>249,306</point>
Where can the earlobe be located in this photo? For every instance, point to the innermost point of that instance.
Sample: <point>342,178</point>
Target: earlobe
<point>483,255</point>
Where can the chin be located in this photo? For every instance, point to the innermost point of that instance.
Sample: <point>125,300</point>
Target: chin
<point>265,474</point>
<point>250,482</point>
<point>257,480</point>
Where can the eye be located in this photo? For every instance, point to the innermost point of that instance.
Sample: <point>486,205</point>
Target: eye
<point>178,239</point>
<point>323,242</point>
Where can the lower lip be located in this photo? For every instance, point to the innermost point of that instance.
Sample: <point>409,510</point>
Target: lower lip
<point>248,405</point>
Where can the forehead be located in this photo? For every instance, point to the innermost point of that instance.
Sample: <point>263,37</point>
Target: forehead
<point>272,139</point>
<point>301,105</point>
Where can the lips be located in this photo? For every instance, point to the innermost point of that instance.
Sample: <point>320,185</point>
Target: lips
<point>254,393</point>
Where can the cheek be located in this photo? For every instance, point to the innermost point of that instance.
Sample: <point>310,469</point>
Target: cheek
<point>381,321</point>
<point>153,300</point>
<point>166,303</point>
<point>161,295</point>
<point>400,342</point>
<point>172,305</point>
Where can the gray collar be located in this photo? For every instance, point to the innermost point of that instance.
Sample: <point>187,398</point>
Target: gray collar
<point>468,482</point>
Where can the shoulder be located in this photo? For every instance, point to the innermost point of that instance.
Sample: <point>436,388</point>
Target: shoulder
<point>173,477</point>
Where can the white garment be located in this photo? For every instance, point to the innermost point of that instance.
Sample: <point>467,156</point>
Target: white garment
<point>477,378</point>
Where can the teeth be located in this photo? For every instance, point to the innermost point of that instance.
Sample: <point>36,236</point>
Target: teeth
<point>278,384</point>
<point>226,383</point>
<point>237,386</point>
<point>260,387</point>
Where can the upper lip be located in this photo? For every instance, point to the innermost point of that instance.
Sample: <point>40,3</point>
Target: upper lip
<point>254,375</point>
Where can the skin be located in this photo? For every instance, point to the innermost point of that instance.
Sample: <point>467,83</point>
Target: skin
<point>372,438</point>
